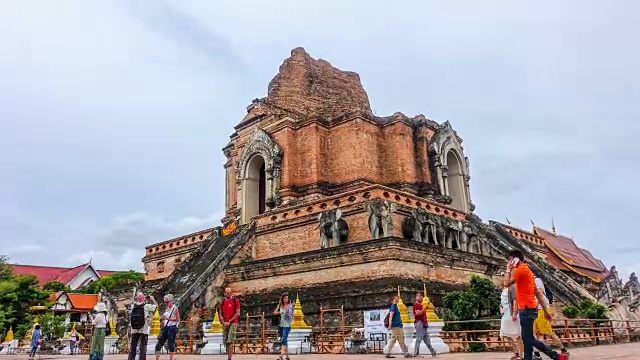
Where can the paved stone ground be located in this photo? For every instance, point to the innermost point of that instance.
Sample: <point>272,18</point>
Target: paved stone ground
<point>603,352</point>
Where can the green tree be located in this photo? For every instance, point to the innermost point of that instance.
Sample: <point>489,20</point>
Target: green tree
<point>55,286</point>
<point>52,325</point>
<point>586,309</point>
<point>6,272</point>
<point>479,301</point>
<point>17,295</point>
<point>109,282</point>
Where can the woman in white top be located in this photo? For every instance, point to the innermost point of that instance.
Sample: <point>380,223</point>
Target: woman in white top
<point>170,321</point>
<point>99,322</point>
<point>510,324</point>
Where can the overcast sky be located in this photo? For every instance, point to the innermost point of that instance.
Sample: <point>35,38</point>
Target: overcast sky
<point>113,113</point>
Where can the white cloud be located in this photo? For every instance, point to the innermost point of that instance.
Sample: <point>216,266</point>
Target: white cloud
<point>110,108</point>
<point>117,245</point>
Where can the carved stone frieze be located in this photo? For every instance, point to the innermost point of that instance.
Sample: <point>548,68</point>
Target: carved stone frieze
<point>423,226</point>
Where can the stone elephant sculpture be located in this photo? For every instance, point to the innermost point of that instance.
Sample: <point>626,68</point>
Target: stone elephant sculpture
<point>332,228</point>
<point>380,220</point>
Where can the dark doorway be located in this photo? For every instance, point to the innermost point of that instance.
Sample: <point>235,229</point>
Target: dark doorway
<point>262,186</point>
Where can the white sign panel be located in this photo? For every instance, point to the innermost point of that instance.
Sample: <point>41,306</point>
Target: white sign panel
<point>374,322</point>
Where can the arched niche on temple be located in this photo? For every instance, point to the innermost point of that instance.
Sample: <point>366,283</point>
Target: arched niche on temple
<point>451,168</point>
<point>258,176</point>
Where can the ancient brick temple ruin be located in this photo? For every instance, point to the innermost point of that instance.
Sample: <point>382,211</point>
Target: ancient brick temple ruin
<point>342,207</point>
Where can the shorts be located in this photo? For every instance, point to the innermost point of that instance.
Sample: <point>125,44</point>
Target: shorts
<point>229,334</point>
<point>541,325</point>
<point>284,336</point>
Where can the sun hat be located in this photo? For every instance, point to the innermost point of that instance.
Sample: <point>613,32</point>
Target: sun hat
<point>100,307</point>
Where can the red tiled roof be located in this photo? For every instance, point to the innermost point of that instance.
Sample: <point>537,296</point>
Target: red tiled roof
<point>105,272</point>
<point>83,301</point>
<point>566,255</point>
<point>46,274</point>
<point>570,251</point>
<point>555,261</point>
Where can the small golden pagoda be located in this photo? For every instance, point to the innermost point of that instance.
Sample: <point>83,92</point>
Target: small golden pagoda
<point>9,336</point>
<point>404,314</point>
<point>216,325</point>
<point>155,324</point>
<point>428,305</point>
<point>298,316</point>
<point>113,327</point>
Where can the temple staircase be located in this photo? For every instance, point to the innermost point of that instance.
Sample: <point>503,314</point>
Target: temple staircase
<point>564,287</point>
<point>191,279</point>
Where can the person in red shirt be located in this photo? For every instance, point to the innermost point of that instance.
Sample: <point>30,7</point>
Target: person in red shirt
<point>229,315</point>
<point>421,325</point>
<point>527,296</point>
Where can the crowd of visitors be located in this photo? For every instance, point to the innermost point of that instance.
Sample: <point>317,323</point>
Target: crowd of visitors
<point>525,305</point>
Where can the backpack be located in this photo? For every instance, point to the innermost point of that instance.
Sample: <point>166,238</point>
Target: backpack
<point>548,294</point>
<point>386,320</point>
<point>137,317</point>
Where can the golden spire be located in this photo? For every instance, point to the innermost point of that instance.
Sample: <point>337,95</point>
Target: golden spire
<point>298,316</point>
<point>9,336</point>
<point>430,309</point>
<point>404,315</point>
<point>113,327</point>
<point>216,325</point>
<point>535,228</point>
<point>553,226</point>
<point>155,324</point>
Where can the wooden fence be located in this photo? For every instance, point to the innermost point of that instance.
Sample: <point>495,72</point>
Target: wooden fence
<point>256,336</point>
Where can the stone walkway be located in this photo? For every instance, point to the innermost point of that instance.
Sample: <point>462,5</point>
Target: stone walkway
<point>604,352</point>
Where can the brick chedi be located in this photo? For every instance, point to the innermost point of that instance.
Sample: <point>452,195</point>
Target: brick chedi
<point>343,207</point>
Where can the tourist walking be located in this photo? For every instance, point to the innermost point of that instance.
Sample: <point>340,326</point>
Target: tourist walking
<point>510,323</point>
<point>285,310</point>
<point>394,322</point>
<point>36,340</point>
<point>421,325</point>
<point>140,321</point>
<point>518,273</point>
<point>73,338</point>
<point>542,326</point>
<point>99,322</point>
<point>229,315</point>
<point>169,327</point>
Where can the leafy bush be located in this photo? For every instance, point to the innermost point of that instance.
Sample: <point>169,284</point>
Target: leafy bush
<point>587,309</point>
<point>55,286</point>
<point>477,302</point>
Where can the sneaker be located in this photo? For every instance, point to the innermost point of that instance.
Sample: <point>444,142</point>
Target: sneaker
<point>433,354</point>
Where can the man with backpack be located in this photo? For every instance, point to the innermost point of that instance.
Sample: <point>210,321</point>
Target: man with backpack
<point>542,326</point>
<point>393,321</point>
<point>229,315</point>
<point>140,321</point>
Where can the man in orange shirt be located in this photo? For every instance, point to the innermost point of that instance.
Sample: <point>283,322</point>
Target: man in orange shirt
<point>527,296</point>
